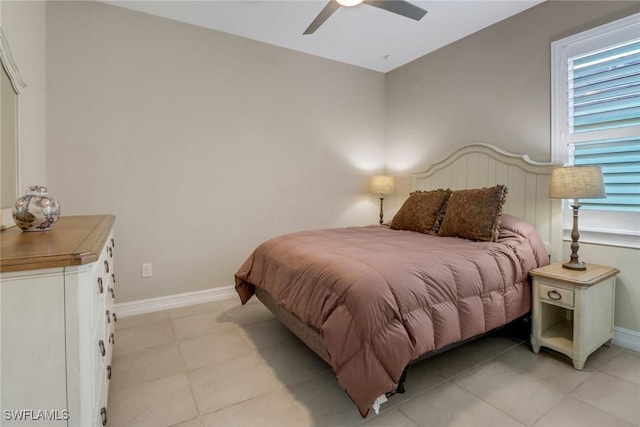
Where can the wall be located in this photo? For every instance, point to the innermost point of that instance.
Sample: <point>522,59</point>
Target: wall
<point>201,143</point>
<point>196,184</point>
<point>494,86</point>
<point>24,24</point>
<point>627,284</point>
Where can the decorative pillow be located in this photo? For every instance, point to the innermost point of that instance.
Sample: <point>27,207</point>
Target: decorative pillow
<point>420,212</point>
<point>474,214</point>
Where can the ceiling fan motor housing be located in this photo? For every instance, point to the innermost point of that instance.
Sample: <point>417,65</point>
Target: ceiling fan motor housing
<point>399,7</point>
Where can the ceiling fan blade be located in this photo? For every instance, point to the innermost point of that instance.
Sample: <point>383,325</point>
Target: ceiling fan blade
<point>399,7</point>
<point>328,10</point>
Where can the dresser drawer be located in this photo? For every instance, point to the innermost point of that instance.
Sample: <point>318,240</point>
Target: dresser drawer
<point>555,295</point>
<point>99,291</point>
<point>100,406</point>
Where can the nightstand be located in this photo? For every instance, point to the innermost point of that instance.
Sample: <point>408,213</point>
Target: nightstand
<point>573,310</point>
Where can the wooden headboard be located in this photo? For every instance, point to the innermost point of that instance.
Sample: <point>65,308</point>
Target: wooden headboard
<point>484,165</point>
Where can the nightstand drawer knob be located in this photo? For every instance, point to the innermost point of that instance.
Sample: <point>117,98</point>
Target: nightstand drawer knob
<point>103,351</point>
<point>554,295</point>
<point>103,415</point>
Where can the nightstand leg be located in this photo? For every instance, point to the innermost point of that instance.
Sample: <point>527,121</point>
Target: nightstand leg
<point>609,343</point>
<point>534,345</point>
<point>578,364</point>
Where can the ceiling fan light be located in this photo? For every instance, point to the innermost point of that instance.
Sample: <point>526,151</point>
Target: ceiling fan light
<point>349,2</point>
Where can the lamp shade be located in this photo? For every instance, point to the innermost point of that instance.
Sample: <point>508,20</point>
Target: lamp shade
<point>381,184</point>
<point>349,2</point>
<point>577,182</point>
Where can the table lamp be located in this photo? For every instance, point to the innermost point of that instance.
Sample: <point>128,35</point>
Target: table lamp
<point>381,185</point>
<point>576,182</point>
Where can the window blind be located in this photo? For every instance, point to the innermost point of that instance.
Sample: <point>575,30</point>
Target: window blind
<point>604,88</point>
<point>604,94</point>
<point>620,162</point>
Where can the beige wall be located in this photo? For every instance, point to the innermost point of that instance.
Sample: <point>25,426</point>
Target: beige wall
<point>151,120</point>
<point>201,143</point>
<point>627,283</point>
<point>494,86</point>
<point>24,24</point>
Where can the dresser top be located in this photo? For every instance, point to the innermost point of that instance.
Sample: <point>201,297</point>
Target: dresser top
<point>73,240</point>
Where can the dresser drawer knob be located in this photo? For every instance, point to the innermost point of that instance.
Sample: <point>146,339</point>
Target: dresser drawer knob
<point>554,295</point>
<point>113,242</point>
<point>108,316</point>
<point>113,294</point>
<point>113,278</point>
<point>103,351</point>
<point>110,250</point>
<point>112,338</point>
<point>115,319</point>
<point>106,266</point>
<point>103,415</point>
<point>109,372</point>
<point>100,286</point>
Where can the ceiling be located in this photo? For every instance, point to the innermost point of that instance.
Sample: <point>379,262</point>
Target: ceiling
<point>362,35</point>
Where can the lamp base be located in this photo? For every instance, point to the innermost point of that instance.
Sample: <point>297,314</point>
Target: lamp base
<point>574,262</point>
<point>575,265</point>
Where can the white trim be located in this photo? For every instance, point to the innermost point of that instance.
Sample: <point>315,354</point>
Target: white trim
<point>7,62</point>
<point>613,228</point>
<point>10,65</point>
<point>605,237</point>
<point>149,305</point>
<point>626,338</point>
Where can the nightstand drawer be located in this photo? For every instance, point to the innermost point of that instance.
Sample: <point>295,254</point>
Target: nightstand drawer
<point>555,295</point>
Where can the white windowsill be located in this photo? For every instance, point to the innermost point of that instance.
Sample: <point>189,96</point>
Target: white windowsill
<point>605,237</point>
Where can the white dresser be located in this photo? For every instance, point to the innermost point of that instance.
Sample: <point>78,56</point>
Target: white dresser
<point>57,295</point>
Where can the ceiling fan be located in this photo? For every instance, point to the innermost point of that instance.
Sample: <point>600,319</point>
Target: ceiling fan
<point>399,7</point>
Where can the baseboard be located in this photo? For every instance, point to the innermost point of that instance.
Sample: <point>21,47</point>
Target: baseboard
<point>626,338</point>
<point>132,308</point>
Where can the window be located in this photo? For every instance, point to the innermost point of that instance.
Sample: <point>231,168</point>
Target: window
<point>596,121</point>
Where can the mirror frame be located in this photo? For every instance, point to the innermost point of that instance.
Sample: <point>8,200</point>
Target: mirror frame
<point>9,65</point>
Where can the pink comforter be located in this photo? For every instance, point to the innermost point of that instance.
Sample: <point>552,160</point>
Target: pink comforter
<point>381,297</point>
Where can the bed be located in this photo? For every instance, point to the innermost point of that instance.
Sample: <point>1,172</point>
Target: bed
<point>452,265</point>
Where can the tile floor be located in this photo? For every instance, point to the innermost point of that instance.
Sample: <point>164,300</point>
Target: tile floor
<point>221,364</point>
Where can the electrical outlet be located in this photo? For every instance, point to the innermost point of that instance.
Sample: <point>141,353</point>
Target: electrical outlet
<point>147,270</point>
